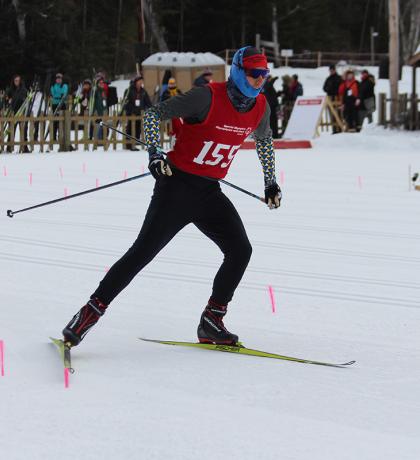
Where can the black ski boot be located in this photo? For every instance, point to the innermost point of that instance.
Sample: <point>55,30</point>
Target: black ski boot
<point>83,320</point>
<point>211,328</point>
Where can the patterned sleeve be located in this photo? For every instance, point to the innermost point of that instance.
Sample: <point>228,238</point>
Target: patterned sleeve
<point>151,123</point>
<point>266,155</point>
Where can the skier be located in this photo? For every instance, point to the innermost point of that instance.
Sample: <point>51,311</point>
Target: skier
<point>218,118</point>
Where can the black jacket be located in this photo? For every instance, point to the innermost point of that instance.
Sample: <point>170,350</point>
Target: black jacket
<point>366,89</point>
<point>17,96</point>
<point>143,99</point>
<point>331,85</point>
<point>271,94</point>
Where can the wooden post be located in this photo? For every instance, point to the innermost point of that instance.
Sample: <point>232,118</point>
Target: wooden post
<point>319,59</point>
<point>394,58</point>
<point>413,110</point>
<point>67,130</point>
<point>382,109</point>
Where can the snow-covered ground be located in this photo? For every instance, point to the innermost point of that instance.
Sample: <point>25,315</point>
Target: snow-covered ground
<point>342,255</point>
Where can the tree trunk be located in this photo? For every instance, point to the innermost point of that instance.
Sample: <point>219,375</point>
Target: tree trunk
<point>410,28</point>
<point>20,20</point>
<point>84,27</point>
<point>394,58</point>
<point>156,30</point>
<point>117,40</point>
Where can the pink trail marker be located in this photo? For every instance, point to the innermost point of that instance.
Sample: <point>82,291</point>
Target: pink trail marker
<point>30,178</point>
<point>273,302</point>
<point>65,191</point>
<point>97,183</point>
<point>61,172</point>
<point>84,167</point>
<point>125,174</point>
<point>2,357</point>
<point>142,169</point>
<point>281,177</point>
<point>359,181</point>
<point>66,377</point>
<point>4,171</point>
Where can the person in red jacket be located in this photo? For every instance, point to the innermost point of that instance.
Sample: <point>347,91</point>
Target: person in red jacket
<point>218,117</point>
<point>349,96</point>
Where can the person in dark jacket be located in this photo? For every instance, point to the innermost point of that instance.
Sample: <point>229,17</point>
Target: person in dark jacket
<point>271,95</point>
<point>295,88</point>
<point>15,98</point>
<point>331,86</point>
<point>204,78</point>
<point>367,97</point>
<point>16,94</point>
<point>137,102</point>
<point>332,83</point>
<point>350,100</point>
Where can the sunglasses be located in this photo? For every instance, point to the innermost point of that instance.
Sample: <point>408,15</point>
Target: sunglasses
<point>257,73</point>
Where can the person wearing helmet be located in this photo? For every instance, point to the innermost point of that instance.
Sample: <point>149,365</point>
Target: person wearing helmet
<point>218,117</point>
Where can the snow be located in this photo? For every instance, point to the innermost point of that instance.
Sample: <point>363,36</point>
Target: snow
<point>342,255</point>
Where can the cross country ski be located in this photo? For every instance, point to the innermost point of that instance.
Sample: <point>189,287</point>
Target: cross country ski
<point>240,349</point>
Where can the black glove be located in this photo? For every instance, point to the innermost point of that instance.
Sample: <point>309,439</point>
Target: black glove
<point>273,195</point>
<point>158,165</point>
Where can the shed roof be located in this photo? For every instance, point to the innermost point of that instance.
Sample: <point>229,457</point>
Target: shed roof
<point>173,59</point>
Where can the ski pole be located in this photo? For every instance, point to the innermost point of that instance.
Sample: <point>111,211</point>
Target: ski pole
<point>11,213</point>
<point>139,141</point>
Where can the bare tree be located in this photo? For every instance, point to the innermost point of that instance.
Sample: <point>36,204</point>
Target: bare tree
<point>394,58</point>
<point>156,30</point>
<point>117,40</point>
<point>20,20</point>
<point>409,27</point>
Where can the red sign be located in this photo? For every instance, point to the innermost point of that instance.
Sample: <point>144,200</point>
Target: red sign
<point>309,102</point>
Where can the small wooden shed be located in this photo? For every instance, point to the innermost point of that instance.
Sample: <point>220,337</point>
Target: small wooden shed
<point>185,68</point>
<point>414,62</point>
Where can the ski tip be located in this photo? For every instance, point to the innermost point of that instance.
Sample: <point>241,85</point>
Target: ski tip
<point>348,364</point>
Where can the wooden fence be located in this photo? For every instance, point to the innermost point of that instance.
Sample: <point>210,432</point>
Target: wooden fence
<point>408,111</point>
<point>67,132</point>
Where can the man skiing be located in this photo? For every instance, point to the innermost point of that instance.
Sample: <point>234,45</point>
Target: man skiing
<point>217,119</point>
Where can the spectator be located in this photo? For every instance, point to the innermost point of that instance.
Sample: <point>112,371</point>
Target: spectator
<point>204,78</point>
<point>292,88</point>
<point>137,101</point>
<point>272,100</point>
<point>98,105</point>
<point>331,86</point>
<point>171,91</point>
<point>295,88</point>
<point>85,97</point>
<point>15,98</point>
<point>58,91</point>
<point>332,83</point>
<point>367,97</point>
<point>350,102</point>
<point>16,94</point>
<point>166,76</point>
<point>100,78</point>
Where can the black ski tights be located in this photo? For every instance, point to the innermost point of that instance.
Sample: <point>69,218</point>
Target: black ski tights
<point>176,202</point>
